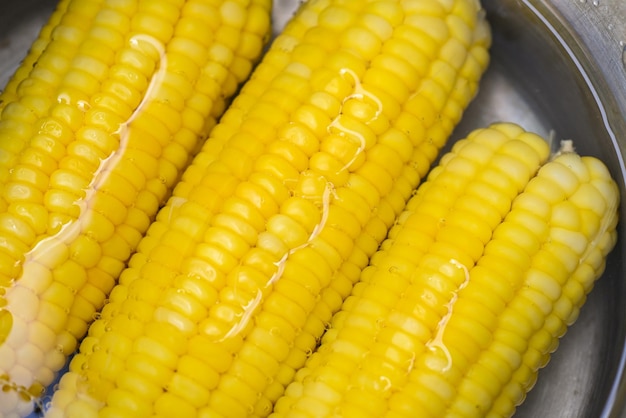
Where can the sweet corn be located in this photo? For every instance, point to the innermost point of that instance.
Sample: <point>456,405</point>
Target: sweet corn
<point>468,296</point>
<point>233,284</point>
<point>127,91</point>
<point>39,45</point>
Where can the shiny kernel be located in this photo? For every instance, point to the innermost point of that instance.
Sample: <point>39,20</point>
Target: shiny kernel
<point>85,251</point>
<point>233,14</point>
<point>70,273</point>
<point>50,252</point>
<point>518,150</point>
<point>589,197</point>
<point>362,41</point>
<point>170,405</point>
<point>336,18</point>
<point>53,315</point>
<point>222,404</point>
<point>28,305</point>
<point>180,322</point>
<point>214,355</point>
<point>197,370</point>
<point>159,354</point>
<point>189,390</point>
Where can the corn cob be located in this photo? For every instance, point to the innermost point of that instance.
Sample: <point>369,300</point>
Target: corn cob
<point>9,92</point>
<point>469,294</point>
<point>232,284</point>
<point>147,83</point>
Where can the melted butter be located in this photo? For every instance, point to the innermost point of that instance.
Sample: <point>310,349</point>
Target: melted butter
<point>360,93</point>
<point>436,343</point>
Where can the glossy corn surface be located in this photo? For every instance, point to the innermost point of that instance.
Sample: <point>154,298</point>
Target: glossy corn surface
<point>468,296</point>
<point>129,90</point>
<point>234,283</point>
<point>8,92</point>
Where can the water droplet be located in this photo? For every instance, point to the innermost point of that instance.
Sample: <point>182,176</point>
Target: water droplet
<point>275,331</point>
<point>583,1</point>
<point>83,105</point>
<point>596,2</point>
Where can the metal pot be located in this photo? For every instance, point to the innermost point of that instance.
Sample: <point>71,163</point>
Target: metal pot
<point>558,68</point>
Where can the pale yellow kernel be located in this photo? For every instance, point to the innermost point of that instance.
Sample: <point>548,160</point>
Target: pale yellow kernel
<point>509,345</point>
<point>228,240</point>
<point>433,98</point>
<point>52,315</point>
<point>336,18</point>
<point>30,175</point>
<point>375,171</point>
<point>149,348</point>
<point>400,67</point>
<point>85,251</point>
<point>574,292</point>
<point>523,230</point>
<point>276,166</point>
<point>461,25</point>
<point>70,273</point>
<point>305,212</point>
<point>491,196</point>
<point>432,391</point>
<point>362,41</point>
<point>493,139</point>
<point>169,405</point>
<point>378,25</point>
<point>81,80</point>
<point>164,315</point>
<point>433,27</point>
<point>470,222</point>
<point>589,197</point>
<point>511,321</point>
<point>529,307</point>
<point>575,239</point>
<point>596,167</point>
<point>189,389</point>
<point>562,175</point>
<point>222,403</point>
<point>347,151</point>
<point>386,80</point>
<point>574,163</point>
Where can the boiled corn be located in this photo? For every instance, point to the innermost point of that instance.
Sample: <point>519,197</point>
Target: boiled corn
<point>121,120</point>
<point>233,284</point>
<point>467,298</point>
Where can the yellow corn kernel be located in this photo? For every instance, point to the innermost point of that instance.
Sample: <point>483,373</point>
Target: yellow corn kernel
<point>294,190</point>
<point>442,324</point>
<point>129,105</point>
